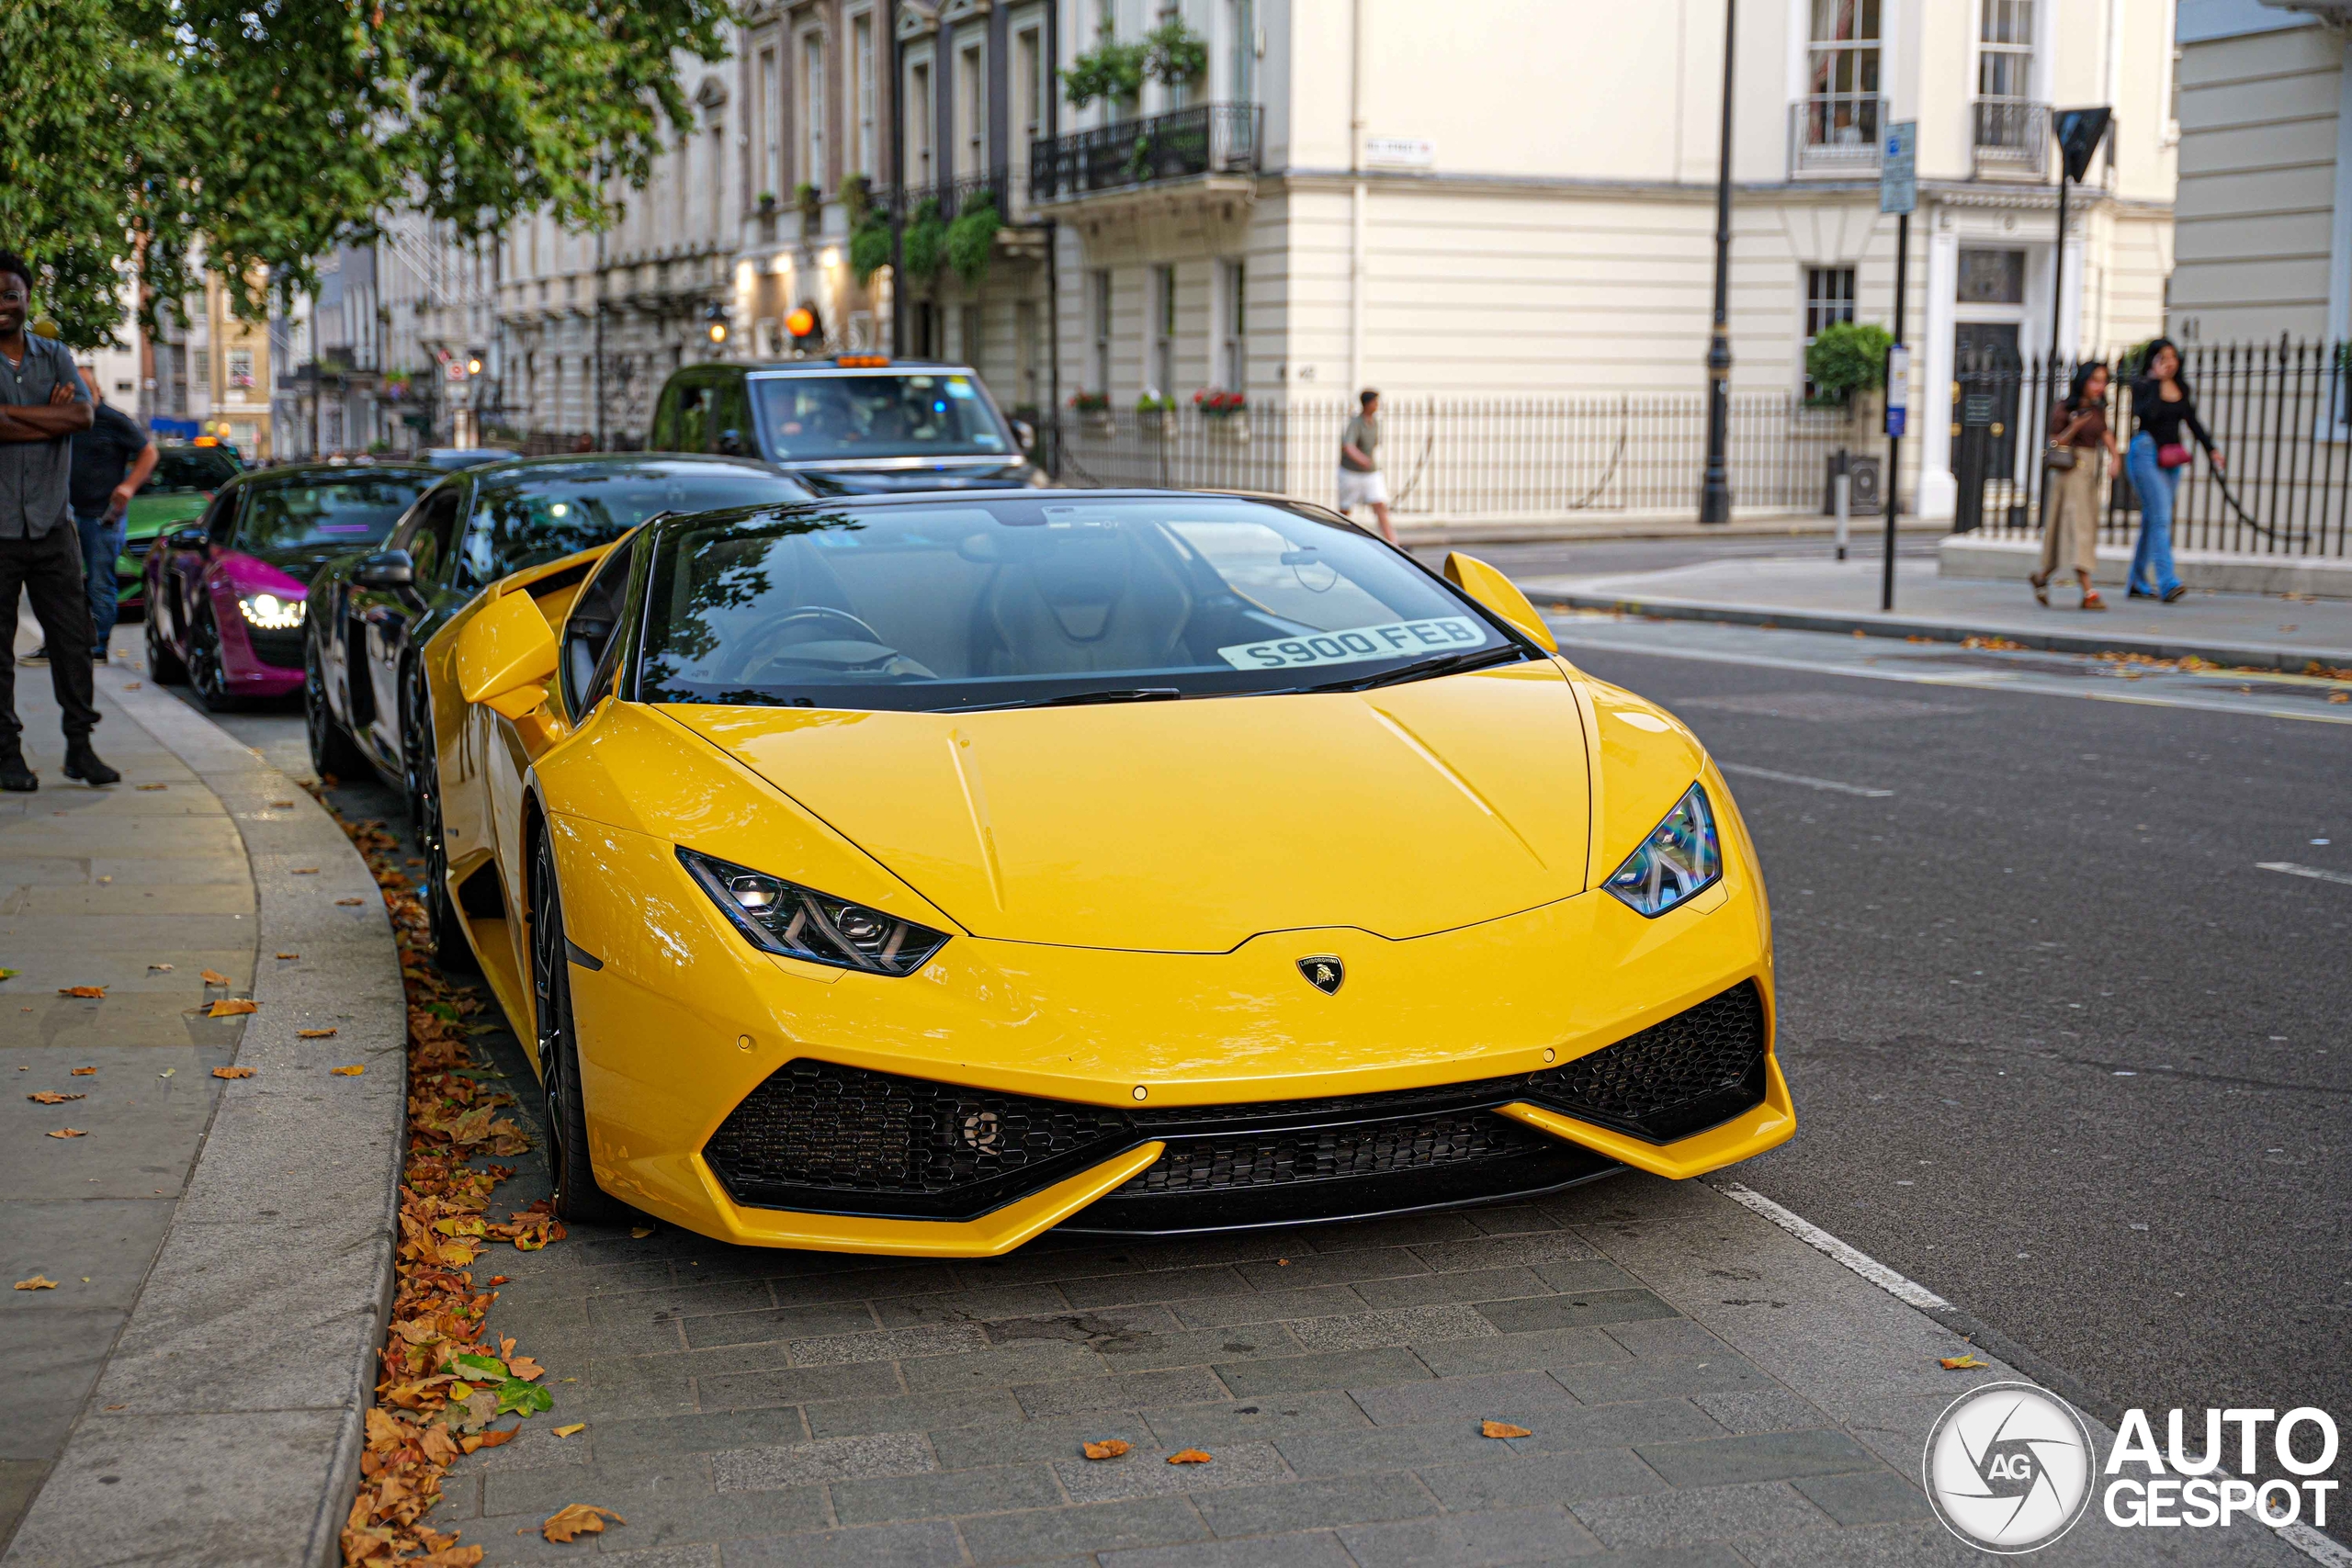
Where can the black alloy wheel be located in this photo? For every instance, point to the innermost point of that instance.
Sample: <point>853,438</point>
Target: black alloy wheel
<point>444,926</point>
<point>577,1198</point>
<point>163,667</point>
<point>332,753</point>
<point>206,672</point>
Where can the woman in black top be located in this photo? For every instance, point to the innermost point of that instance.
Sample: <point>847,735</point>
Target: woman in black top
<point>2164,408</point>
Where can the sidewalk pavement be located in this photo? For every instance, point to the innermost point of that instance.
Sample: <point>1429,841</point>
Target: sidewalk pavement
<point>194,1387</point>
<point>1594,528</point>
<point>1814,593</point>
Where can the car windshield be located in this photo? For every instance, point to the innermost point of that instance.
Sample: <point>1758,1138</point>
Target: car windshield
<point>543,514</point>
<point>190,470</point>
<point>358,509</point>
<point>867,413</point>
<point>1031,599</point>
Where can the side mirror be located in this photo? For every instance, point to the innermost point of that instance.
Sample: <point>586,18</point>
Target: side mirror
<point>189,538</point>
<point>1025,434</point>
<point>506,655</point>
<point>1498,594</point>
<point>386,569</point>
<point>730,442</point>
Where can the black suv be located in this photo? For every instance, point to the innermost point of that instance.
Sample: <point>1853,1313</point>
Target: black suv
<point>861,423</point>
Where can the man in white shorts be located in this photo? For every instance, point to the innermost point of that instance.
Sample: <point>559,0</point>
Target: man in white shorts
<point>1359,481</point>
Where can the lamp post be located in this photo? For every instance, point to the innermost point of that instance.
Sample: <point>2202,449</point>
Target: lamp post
<point>1715,491</point>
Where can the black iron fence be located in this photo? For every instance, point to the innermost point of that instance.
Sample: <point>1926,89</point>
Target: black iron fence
<point>2280,413</point>
<point>1472,457</point>
<point>1208,139</point>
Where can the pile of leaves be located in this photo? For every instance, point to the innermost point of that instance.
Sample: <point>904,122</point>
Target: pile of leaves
<point>446,1381</point>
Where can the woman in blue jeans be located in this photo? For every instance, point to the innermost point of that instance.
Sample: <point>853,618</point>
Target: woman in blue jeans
<point>2162,407</point>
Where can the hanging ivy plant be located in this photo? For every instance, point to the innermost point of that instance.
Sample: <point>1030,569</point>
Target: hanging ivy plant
<point>811,202</point>
<point>1174,54</point>
<point>1112,71</point>
<point>925,242</point>
<point>971,239</point>
<point>856,197</point>
<point>869,247</point>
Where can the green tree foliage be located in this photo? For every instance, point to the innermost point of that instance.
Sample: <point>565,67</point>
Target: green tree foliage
<point>971,239</point>
<point>1848,357</point>
<point>144,133</point>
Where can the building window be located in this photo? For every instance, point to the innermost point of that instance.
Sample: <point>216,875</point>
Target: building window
<point>812,110</point>
<point>2004,49</point>
<point>972,110</point>
<point>919,123</point>
<point>1829,300</point>
<point>1241,50</point>
<point>1991,277</point>
<point>1163,333</point>
<point>241,367</point>
<point>1029,101</point>
<point>770,110</point>
<point>1100,289</point>
<point>202,358</point>
<point>862,43</point>
<point>1841,73</point>
<point>1235,371</point>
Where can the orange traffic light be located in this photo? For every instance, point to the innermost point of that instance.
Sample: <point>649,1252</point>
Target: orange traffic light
<point>800,321</point>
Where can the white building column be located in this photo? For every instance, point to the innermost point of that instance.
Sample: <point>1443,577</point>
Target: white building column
<point>1936,494</point>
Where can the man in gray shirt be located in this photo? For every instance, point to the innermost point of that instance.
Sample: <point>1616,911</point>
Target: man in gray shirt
<point>43,405</point>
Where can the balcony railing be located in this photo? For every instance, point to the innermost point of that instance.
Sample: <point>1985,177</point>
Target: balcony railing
<point>952,194</point>
<point>2011,135</point>
<point>1836,133</point>
<point>1208,138</point>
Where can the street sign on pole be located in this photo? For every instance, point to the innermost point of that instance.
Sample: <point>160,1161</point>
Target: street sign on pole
<point>1898,388</point>
<point>1898,183</point>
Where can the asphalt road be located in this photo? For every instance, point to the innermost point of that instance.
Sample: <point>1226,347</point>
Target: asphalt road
<point>2061,1051</point>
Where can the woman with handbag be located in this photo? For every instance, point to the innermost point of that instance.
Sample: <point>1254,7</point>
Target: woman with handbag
<point>2078,436</point>
<point>2165,410</point>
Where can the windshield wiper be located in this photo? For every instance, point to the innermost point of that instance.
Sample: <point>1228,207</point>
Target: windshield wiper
<point>1443,664</point>
<point>1078,699</point>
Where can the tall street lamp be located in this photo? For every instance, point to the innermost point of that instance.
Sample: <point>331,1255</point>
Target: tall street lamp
<point>1715,491</point>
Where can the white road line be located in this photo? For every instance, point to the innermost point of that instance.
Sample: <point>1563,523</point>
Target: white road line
<point>2291,869</point>
<point>1908,1292</point>
<point>2319,1548</point>
<point>1830,784</point>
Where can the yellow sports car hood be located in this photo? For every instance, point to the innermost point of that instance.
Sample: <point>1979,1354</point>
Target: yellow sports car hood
<point>1193,826</point>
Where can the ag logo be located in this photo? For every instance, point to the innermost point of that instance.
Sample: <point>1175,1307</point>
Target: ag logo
<point>1323,972</point>
<point>2008,1468</point>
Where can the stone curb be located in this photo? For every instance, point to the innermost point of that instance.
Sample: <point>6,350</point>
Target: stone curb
<point>2259,655</point>
<point>227,1423</point>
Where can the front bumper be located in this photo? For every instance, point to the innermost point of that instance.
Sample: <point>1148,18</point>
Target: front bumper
<point>1158,1093</point>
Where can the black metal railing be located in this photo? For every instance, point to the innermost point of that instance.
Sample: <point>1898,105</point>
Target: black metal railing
<point>951,194</point>
<point>1208,139</point>
<point>2009,134</point>
<point>1472,457</point>
<point>1836,133</point>
<point>2280,413</point>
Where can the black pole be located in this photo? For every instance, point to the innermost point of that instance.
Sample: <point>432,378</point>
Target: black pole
<point>602,444</point>
<point>1894,486</point>
<point>1715,491</point>
<point>2057,320</point>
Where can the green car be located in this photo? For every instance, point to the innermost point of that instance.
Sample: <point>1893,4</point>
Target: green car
<point>178,492</point>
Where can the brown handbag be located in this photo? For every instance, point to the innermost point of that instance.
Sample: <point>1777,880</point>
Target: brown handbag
<point>2061,459</point>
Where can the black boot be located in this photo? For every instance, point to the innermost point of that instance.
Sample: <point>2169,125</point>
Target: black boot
<point>83,764</point>
<point>13,774</point>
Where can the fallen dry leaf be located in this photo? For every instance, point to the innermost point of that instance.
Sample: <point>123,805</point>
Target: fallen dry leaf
<point>81,990</point>
<point>576,1428</point>
<point>213,977</point>
<point>36,1284</point>
<point>154,786</point>
<point>578,1518</point>
<point>1961,1363</point>
<point>230,1007</point>
<point>1502,1429</point>
<point>306,871</point>
<point>350,1072</point>
<point>233,1072</point>
<point>1108,1448</point>
<point>69,1133</point>
<point>640,1232</point>
<point>351,900</point>
<point>50,1096</point>
<point>159,968</point>
<point>289,955</point>
<point>281,804</point>
<point>1188,1456</point>
<point>131,685</point>
<point>313,1034</point>
<point>524,1367</point>
<point>82,1072</point>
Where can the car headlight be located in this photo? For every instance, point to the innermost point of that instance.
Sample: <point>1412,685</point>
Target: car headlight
<point>777,916</point>
<point>1679,859</point>
<point>271,613</point>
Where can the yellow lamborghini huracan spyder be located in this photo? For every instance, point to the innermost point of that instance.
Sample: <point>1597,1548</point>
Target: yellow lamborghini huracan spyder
<point>913,874</point>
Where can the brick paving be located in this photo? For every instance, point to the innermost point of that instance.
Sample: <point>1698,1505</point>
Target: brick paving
<point>759,1407</point>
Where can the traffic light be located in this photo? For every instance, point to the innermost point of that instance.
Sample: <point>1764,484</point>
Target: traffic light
<point>805,328</point>
<point>716,316</point>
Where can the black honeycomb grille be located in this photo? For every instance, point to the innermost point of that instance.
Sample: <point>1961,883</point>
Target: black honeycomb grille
<point>1227,1162</point>
<point>1700,1067</point>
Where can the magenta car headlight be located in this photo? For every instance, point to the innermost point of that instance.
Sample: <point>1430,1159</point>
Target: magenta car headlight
<point>271,612</point>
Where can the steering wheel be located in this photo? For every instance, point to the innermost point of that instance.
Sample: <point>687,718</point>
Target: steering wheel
<point>771,634</point>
